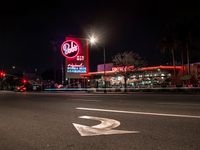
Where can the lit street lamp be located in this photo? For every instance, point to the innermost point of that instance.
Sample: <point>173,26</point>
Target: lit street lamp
<point>13,67</point>
<point>93,40</point>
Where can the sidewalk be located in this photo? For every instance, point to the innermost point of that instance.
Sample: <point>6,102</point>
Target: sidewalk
<point>189,90</point>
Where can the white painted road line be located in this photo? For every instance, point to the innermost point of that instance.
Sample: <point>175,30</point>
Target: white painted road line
<point>104,128</point>
<point>91,100</point>
<point>139,113</point>
<point>87,100</point>
<point>183,104</point>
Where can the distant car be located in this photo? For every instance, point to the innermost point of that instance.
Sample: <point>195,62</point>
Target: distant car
<point>58,86</point>
<point>20,89</point>
<point>37,87</point>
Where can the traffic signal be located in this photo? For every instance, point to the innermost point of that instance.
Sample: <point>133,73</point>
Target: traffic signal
<point>2,74</point>
<point>24,81</point>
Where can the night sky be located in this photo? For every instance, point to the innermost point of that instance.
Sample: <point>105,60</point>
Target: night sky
<point>31,32</point>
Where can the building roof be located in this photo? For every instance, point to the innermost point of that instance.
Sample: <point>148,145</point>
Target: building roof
<point>141,69</point>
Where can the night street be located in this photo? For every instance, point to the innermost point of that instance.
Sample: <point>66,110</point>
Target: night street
<point>81,121</point>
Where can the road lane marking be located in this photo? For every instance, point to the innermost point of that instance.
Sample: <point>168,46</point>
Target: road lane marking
<point>184,104</point>
<point>87,100</point>
<point>91,100</point>
<point>104,128</point>
<point>139,113</point>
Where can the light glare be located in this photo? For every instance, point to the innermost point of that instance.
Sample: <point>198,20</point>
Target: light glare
<point>93,40</point>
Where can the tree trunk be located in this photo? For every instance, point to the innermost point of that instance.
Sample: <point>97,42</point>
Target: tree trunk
<point>125,84</point>
<point>188,59</point>
<point>173,61</point>
<point>182,63</point>
<point>188,46</point>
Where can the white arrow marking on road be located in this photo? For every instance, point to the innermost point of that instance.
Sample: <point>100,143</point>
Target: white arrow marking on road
<point>104,128</point>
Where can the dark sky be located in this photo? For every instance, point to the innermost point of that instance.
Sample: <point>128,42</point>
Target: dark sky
<point>31,32</point>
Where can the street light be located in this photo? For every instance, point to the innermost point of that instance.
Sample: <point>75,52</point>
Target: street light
<point>93,40</point>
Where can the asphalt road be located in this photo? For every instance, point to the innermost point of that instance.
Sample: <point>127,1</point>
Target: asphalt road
<point>51,121</point>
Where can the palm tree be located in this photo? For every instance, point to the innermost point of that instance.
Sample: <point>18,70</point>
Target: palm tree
<point>126,63</point>
<point>183,29</point>
<point>170,43</point>
<point>179,38</point>
<point>183,32</point>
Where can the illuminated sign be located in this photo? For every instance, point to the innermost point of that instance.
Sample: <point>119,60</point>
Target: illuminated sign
<point>75,50</point>
<point>127,68</point>
<point>70,49</point>
<point>76,69</point>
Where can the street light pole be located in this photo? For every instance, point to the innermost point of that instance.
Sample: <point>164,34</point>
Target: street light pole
<point>104,68</point>
<point>93,40</point>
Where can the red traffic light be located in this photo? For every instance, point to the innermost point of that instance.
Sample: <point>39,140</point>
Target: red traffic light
<point>2,74</point>
<point>24,81</point>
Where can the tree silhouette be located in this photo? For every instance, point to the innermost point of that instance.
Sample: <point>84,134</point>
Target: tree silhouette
<point>126,63</point>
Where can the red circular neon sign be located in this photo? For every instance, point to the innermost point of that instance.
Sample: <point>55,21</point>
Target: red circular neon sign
<point>70,49</point>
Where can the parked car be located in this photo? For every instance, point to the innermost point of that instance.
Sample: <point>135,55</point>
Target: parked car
<point>21,88</point>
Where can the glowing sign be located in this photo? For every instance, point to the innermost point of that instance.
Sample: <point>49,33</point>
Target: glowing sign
<point>75,65</point>
<point>75,50</point>
<point>80,58</point>
<point>70,49</point>
<point>127,68</point>
<point>76,69</point>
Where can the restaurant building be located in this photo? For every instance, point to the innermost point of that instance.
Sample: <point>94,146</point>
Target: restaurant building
<point>77,74</point>
<point>154,76</point>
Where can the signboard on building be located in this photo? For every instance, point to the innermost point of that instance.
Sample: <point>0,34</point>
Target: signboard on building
<point>75,50</point>
<point>108,67</point>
